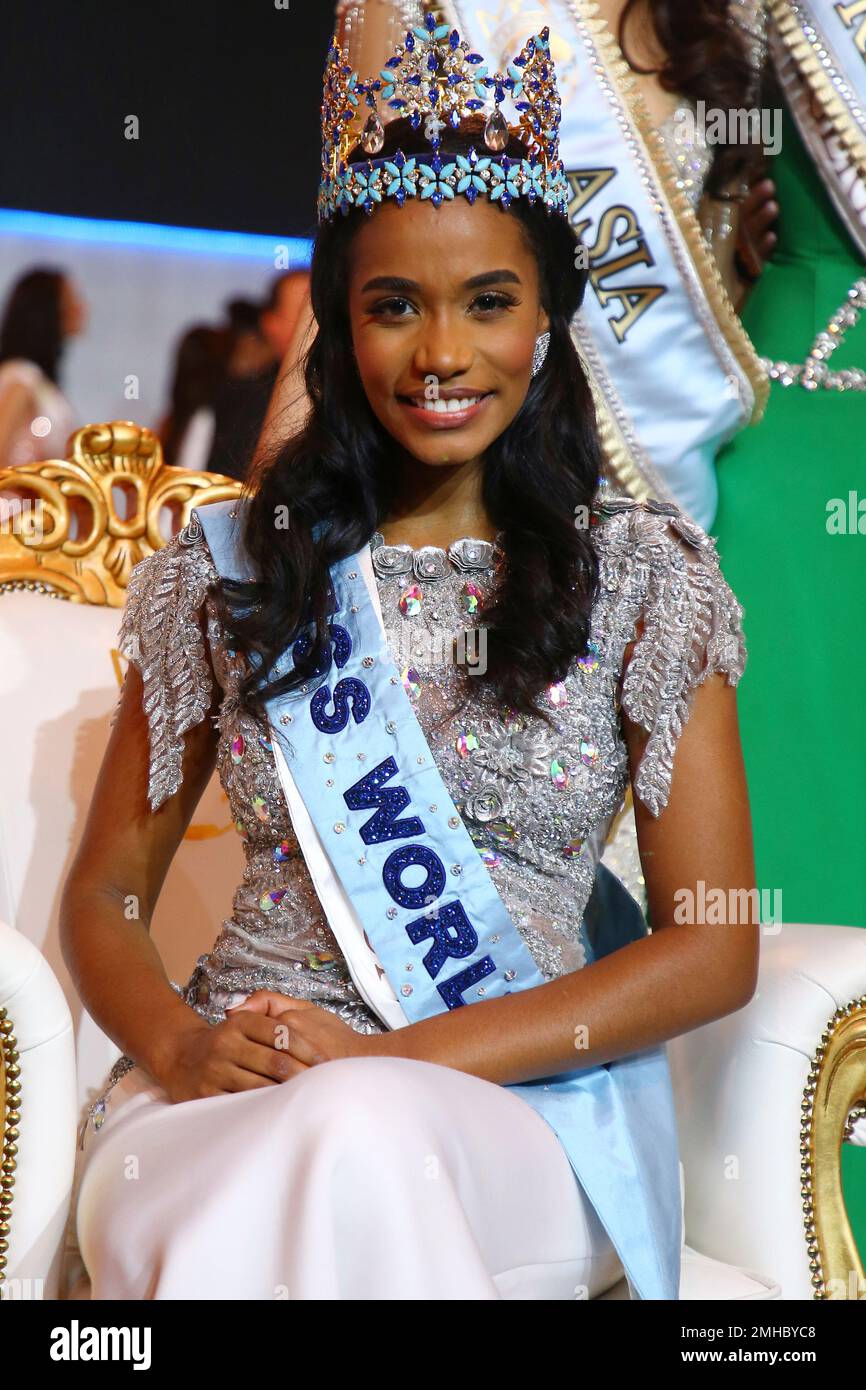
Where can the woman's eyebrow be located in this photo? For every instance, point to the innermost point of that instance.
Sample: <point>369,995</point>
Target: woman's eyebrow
<point>399,285</point>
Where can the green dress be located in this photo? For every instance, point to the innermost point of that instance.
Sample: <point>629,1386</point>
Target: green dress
<point>802,699</point>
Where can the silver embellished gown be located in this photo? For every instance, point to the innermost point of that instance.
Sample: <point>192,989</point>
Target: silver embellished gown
<point>537,802</point>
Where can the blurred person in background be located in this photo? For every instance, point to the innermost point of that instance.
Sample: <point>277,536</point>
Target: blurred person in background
<point>242,403</point>
<point>43,310</point>
<point>200,369</point>
<point>251,352</point>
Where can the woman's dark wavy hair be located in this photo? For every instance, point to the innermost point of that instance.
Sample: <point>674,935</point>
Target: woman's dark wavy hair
<point>31,326</point>
<point>340,469</point>
<point>706,59</point>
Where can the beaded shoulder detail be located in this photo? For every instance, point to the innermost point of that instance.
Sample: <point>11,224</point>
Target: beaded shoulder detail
<point>659,566</point>
<point>161,633</point>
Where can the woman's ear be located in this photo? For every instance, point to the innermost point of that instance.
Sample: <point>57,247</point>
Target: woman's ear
<point>543,321</point>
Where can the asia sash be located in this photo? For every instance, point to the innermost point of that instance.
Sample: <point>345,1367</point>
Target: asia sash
<point>819,52</point>
<point>674,373</point>
<point>419,918</point>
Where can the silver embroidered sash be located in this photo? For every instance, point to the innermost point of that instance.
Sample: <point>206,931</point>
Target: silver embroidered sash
<point>819,51</point>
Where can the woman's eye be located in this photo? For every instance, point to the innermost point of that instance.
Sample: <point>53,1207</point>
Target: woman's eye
<point>488,303</point>
<point>493,300</point>
<point>391,307</point>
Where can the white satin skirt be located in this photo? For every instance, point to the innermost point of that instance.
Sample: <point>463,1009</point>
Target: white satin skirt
<point>363,1178</point>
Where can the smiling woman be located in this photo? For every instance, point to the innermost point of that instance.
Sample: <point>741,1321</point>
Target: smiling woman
<point>425,838</point>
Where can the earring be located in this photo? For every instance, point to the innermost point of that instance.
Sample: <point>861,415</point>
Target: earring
<point>542,343</point>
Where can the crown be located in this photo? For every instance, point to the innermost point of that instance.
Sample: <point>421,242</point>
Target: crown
<point>434,78</point>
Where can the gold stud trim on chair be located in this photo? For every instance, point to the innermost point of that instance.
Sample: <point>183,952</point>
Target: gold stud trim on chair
<point>95,567</point>
<point>10,1114</point>
<point>831,1100</point>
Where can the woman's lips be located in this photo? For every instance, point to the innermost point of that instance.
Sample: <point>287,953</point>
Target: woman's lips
<point>442,419</point>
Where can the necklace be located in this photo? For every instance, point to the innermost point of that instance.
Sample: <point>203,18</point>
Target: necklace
<point>814,371</point>
<point>433,561</point>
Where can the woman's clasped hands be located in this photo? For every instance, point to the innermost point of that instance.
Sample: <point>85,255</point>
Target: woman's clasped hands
<point>266,1039</point>
<point>306,1033</point>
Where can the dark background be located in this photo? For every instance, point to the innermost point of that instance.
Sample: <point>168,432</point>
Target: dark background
<point>227,95</point>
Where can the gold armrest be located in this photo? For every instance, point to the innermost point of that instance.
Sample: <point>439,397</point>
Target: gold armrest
<point>837,1082</point>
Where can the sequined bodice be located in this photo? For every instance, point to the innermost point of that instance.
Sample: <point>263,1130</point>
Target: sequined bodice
<point>536,800</point>
<point>529,797</point>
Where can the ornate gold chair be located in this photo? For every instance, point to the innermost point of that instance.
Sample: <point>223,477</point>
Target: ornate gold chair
<point>60,673</point>
<point>765,1097</point>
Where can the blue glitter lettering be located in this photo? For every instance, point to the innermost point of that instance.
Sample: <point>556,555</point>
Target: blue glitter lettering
<point>423,893</point>
<point>348,689</point>
<point>369,791</point>
<point>341,644</point>
<point>453,989</point>
<point>451,931</point>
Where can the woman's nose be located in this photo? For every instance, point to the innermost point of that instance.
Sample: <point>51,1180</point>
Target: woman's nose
<point>443,349</point>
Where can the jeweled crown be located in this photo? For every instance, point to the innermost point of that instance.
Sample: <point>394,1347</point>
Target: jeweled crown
<point>433,77</point>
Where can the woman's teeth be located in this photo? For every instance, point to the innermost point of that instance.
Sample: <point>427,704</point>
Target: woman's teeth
<point>449,407</point>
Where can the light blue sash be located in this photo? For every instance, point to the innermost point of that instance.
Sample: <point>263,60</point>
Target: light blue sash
<point>433,917</point>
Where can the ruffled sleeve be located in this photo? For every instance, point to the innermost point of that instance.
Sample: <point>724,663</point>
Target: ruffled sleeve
<point>161,633</point>
<point>664,570</point>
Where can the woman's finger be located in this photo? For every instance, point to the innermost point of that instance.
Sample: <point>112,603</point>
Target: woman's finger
<point>253,1043</point>
<point>763,218</point>
<point>290,1038</point>
<point>239,1078</point>
<point>270,1003</point>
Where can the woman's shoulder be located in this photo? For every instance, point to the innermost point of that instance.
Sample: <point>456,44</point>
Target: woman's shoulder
<point>624,523</point>
<point>667,607</point>
<point>657,548</point>
<point>175,577</point>
<point>18,371</point>
<point>166,633</point>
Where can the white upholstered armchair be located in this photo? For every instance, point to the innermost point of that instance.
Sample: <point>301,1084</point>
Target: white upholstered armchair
<point>765,1097</point>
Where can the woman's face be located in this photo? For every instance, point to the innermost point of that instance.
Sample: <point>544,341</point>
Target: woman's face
<point>444,307</point>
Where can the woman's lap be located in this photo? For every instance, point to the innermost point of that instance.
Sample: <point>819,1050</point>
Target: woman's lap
<point>361,1178</point>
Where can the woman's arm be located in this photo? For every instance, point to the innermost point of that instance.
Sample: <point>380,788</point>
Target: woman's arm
<point>112,888</point>
<point>108,902</point>
<point>676,979</point>
<point>742,253</point>
<point>17,409</point>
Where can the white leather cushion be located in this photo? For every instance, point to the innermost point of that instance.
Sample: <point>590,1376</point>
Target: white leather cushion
<point>702,1278</point>
<point>59,683</point>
